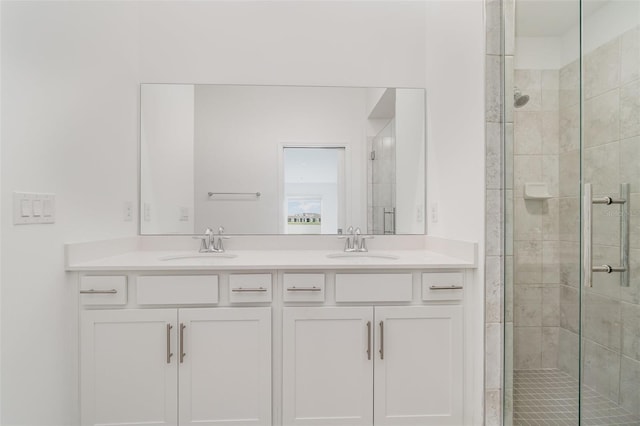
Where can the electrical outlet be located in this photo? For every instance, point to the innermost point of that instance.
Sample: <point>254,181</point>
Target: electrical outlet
<point>147,212</point>
<point>434,213</point>
<point>128,211</point>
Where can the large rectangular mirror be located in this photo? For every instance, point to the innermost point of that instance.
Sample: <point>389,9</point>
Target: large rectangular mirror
<point>281,159</point>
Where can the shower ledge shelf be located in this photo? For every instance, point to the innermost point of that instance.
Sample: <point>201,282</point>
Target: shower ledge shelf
<point>536,191</point>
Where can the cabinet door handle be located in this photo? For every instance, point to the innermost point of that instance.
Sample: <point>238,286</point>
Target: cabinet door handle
<point>445,287</point>
<point>92,291</point>
<point>369,340</point>
<point>182,354</point>
<point>243,290</point>
<point>169,354</point>
<point>294,288</point>
<point>381,339</point>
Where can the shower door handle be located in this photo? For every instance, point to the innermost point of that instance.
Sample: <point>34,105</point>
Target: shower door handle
<point>587,234</point>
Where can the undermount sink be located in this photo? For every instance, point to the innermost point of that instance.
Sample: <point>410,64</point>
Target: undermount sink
<point>199,256</point>
<point>361,255</point>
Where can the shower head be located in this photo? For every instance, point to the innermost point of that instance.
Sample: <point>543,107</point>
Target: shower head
<point>519,100</point>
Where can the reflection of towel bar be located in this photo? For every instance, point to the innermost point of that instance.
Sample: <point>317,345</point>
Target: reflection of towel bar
<point>257,194</point>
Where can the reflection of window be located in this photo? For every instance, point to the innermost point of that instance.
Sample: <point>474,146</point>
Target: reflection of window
<point>304,215</point>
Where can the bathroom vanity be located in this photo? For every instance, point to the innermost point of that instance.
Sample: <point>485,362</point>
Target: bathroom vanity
<point>273,336</point>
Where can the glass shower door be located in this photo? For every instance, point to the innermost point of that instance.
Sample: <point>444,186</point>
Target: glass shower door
<point>610,158</point>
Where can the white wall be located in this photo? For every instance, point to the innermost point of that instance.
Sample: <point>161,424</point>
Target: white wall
<point>167,158</point>
<point>239,135</point>
<point>69,126</point>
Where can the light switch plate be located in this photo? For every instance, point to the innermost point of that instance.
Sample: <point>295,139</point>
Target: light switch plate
<point>31,208</point>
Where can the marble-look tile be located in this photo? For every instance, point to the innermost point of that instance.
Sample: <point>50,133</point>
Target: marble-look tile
<point>527,306</point>
<point>508,407</point>
<point>550,171</point>
<point>569,219</point>
<point>493,289</point>
<point>631,294</point>
<point>493,222</point>
<point>493,27</point>
<point>493,155</point>
<point>551,306</point>
<point>527,168</point>
<point>550,220</point>
<point>493,88</point>
<point>606,224</point>
<point>492,408</point>
<point>381,194</point>
<point>508,288</point>
<point>629,160</point>
<point>528,345</point>
<point>550,100</point>
<point>630,110</point>
<point>528,79</point>
<point>568,353</point>
<point>528,262</point>
<point>509,8</point>
<point>550,80</point>
<point>607,285</point>
<point>508,88</point>
<point>550,337</point>
<point>631,330</point>
<point>569,124</point>
<point>569,174</point>
<point>550,264</point>
<point>601,168</point>
<point>528,220</point>
<point>508,222</point>
<point>602,119</point>
<point>508,155</point>
<point>570,85</point>
<point>528,132</point>
<point>569,308</point>
<point>570,263</point>
<point>550,132</point>
<point>601,368</point>
<point>630,55</point>
<point>629,389</point>
<point>602,69</point>
<point>493,356</point>
<point>601,320</point>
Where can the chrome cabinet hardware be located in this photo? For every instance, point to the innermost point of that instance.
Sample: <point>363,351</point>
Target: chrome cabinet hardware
<point>256,194</point>
<point>246,290</point>
<point>92,291</point>
<point>182,354</point>
<point>294,288</point>
<point>381,340</point>
<point>169,353</point>
<point>369,340</point>
<point>587,234</point>
<point>445,287</point>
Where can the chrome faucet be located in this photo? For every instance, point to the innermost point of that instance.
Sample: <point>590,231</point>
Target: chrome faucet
<point>209,243</point>
<point>355,241</point>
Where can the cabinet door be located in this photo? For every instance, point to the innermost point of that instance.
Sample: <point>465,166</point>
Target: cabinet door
<point>225,366</point>
<point>418,371</point>
<point>327,373</point>
<point>127,375</point>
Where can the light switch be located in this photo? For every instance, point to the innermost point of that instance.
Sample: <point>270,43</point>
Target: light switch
<point>47,208</point>
<point>25,208</point>
<point>37,208</point>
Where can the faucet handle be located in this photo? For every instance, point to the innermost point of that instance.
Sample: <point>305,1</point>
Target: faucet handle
<point>204,242</point>
<point>363,242</point>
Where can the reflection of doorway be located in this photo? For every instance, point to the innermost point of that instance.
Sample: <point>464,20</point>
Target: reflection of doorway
<point>314,190</point>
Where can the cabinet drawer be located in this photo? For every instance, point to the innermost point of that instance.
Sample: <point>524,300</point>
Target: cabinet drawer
<point>103,290</point>
<point>177,289</point>
<point>374,288</point>
<point>303,287</point>
<point>442,285</point>
<point>250,288</point>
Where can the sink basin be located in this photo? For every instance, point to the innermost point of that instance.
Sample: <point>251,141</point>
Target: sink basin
<point>199,256</point>
<point>361,255</point>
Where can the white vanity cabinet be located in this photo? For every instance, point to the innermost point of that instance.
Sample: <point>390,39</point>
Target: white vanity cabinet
<point>382,365</point>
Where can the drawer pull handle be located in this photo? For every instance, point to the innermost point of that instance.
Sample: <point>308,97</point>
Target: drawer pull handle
<point>369,340</point>
<point>294,288</point>
<point>245,290</point>
<point>182,354</point>
<point>92,291</point>
<point>169,354</point>
<point>446,287</point>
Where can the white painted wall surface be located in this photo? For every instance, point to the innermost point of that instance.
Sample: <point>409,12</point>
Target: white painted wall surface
<point>239,135</point>
<point>69,126</point>
<point>167,148</point>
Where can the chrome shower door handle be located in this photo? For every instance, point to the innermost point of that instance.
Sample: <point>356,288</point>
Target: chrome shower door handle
<point>587,235</point>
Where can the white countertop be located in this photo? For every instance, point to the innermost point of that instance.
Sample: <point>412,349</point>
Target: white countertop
<point>182,260</point>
